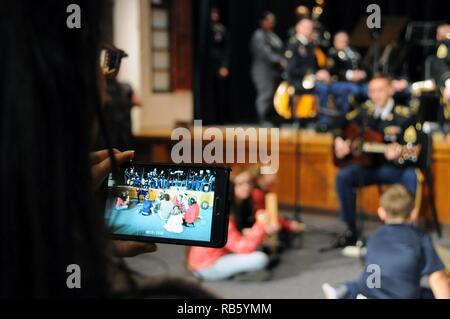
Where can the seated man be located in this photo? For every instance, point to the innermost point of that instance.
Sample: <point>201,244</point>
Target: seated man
<point>347,73</point>
<point>396,124</point>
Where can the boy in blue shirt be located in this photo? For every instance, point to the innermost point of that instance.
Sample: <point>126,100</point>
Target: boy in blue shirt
<point>398,256</point>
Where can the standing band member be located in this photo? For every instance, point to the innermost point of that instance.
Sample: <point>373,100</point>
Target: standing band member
<point>302,63</point>
<point>268,62</point>
<point>219,69</point>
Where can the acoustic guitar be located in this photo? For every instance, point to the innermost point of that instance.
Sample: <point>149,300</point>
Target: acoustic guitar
<point>365,144</point>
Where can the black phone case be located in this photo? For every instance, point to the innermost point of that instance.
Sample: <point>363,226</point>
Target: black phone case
<point>219,231</point>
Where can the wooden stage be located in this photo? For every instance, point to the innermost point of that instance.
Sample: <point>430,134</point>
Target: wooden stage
<point>312,152</point>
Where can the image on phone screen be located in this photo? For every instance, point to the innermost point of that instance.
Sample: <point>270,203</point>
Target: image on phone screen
<point>162,202</point>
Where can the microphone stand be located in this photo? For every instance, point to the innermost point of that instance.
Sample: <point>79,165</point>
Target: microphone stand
<point>296,124</point>
<point>360,242</point>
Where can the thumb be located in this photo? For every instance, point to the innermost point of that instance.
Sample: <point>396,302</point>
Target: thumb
<point>124,157</point>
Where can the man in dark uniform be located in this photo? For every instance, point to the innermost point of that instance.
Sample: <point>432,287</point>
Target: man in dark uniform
<point>321,35</point>
<point>398,126</point>
<point>268,62</point>
<point>347,73</point>
<point>344,61</point>
<point>441,66</point>
<point>217,85</point>
<point>302,64</point>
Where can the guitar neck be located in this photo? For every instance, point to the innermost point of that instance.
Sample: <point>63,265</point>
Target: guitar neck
<point>374,148</point>
<point>271,200</point>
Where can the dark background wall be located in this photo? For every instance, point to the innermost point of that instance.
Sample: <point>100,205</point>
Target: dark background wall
<point>241,19</point>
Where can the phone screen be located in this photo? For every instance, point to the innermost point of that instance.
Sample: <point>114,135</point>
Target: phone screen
<point>166,202</point>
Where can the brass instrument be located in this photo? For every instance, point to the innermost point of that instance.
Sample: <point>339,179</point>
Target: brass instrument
<point>430,86</point>
<point>318,9</point>
<point>427,86</point>
<point>446,105</point>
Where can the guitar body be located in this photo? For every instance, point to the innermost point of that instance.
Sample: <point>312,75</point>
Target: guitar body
<point>357,137</point>
<point>305,105</point>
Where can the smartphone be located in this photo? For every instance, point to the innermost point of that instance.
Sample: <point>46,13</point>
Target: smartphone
<point>165,203</point>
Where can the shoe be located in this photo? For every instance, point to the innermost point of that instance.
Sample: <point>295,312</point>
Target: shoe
<point>348,238</point>
<point>357,251</point>
<point>274,261</point>
<point>330,292</point>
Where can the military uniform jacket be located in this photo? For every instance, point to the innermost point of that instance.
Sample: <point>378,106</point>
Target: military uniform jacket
<point>442,70</point>
<point>399,125</point>
<point>342,61</point>
<point>301,61</point>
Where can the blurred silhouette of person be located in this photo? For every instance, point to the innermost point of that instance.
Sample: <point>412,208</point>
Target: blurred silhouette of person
<point>120,100</point>
<point>218,70</point>
<point>268,62</point>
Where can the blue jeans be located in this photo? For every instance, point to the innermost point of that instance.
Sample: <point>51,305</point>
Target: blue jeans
<point>350,178</point>
<point>352,290</point>
<point>342,92</point>
<point>233,264</point>
<point>322,90</point>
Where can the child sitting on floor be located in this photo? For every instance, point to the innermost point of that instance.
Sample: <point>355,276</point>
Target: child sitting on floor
<point>240,254</point>
<point>122,201</point>
<point>398,256</point>
<point>192,213</point>
<point>263,185</point>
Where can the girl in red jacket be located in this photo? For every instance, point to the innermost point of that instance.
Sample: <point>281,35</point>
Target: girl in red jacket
<point>240,254</point>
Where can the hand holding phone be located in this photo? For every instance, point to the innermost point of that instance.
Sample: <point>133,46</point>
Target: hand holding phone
<point>160,203</point>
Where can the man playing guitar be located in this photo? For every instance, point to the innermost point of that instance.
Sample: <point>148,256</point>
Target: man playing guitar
<point>399,135</point>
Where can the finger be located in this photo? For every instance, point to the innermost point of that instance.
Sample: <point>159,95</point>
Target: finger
<point>124,157</point>
<point>99,156</point>
<point>104,167</point>
<point>101,170</point>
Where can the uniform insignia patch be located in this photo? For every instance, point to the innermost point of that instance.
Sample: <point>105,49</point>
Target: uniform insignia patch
<point>352,115</point>
<point>419,126</point>
<point>288,54</point>
<point>442,51</point>
<point>403,111</point>
<point>410,135</point>
<point>392,130</point>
